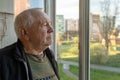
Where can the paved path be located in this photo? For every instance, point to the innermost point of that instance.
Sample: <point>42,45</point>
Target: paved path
<point>70,74</point>
<point>66,70</point>
<point>99,67</point>
<point>107,68</point>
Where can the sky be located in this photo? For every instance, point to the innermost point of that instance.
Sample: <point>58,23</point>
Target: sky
<point>70,8</point>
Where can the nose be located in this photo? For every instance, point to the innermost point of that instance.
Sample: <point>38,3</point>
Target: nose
<point>50,30</point>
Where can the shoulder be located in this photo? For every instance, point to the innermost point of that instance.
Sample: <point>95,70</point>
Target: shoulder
<point>7,50</point>
<point>6,55</point>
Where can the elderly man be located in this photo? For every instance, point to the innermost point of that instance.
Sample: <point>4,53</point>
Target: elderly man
<point>30,58</point>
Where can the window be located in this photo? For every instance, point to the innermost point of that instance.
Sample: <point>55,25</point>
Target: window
<point>67,21</point>
<point>104,39</point>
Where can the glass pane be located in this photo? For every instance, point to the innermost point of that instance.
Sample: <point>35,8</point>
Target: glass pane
<point>67,38</point>
<point>19,6</point>
<point>36,3</point>
<point>104,39</point>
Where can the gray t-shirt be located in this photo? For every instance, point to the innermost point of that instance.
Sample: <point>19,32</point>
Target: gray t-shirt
<point>41,68</point>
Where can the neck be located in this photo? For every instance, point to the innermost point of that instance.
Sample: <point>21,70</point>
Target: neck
<point>33,52</point>
<point>29,49</point>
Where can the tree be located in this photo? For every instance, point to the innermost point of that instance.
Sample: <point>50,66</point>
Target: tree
<point>109,10</point>
<point>117,31</point>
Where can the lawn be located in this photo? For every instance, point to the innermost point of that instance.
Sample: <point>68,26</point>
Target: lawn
<point>103,75</point>
<point>114,61</point>
<point>98,74</point>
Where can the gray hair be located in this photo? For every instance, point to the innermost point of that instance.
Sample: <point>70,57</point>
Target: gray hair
<point>25,19</point>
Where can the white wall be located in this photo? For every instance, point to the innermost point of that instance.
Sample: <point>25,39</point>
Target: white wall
<point>7,15</point>
<point>7,6</point>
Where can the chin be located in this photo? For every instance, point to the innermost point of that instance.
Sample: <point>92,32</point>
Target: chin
<point>48,44</point>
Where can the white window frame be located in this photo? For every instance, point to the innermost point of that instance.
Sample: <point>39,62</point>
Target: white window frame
<point>84,64</point>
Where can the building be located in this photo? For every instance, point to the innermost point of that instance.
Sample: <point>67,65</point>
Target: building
<point>94,27</point>
<point>71,28</point>
<point>72,25</point>
<point>60,25</point>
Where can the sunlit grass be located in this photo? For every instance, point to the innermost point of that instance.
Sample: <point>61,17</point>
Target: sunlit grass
<point>98,74</point>
<point>73,59</point>
<point>103,75</point>
<point>65,54</point>
<point>68,50</point>
<point>114,61</point>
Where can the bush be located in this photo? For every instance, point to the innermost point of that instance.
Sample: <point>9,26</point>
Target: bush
<point>74,50</point>
<point>98,54</point>
<point>67,43</point>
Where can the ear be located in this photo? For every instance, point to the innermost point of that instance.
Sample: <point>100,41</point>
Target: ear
<point>23,33</point>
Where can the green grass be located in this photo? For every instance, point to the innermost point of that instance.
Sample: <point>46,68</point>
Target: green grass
<point>63,76</point>
<point>113,60</point>
<point>63,48</point>
<point>98,74</point>
<point>103,75</point>
<point>74,70</point>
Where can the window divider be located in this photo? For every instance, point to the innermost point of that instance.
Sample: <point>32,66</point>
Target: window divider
<point>84,40</point>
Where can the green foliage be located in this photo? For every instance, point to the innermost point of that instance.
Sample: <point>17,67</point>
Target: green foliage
<point>67,54</point>
<point>67,43</point>
<point>114,61</point>
<point>73,59</point>
<point>98,54</point>
<point>68,50</point>
<point>94,41</point>
<point>115,48</point>
<point>75,39</point>
<point>74,50</point>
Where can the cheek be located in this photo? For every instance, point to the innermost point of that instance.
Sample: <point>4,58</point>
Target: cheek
<point>43,36</point>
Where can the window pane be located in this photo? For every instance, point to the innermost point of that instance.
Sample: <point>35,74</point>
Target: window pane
<point>36,3</point>
<point>19,6</point>
<point>67,38</point>
<point>104,39</point>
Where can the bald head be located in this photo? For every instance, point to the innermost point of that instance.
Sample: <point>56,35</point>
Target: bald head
<point>34,30</point>
<point>27,18</point>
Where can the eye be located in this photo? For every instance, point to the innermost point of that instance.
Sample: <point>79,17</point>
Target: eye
<point>45,24</point>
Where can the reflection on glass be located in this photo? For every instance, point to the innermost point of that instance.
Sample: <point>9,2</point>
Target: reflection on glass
<point>36,3</point>
<point>104,39</point>
<point>19,6</point>
<point>67,38</point>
